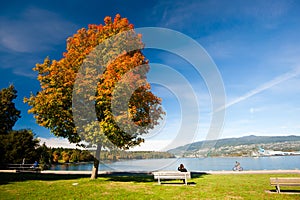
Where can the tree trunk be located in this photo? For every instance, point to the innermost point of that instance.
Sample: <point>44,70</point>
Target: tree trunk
<point>96,162</point>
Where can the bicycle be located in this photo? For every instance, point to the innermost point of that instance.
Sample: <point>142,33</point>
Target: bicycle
<point>237,168</point>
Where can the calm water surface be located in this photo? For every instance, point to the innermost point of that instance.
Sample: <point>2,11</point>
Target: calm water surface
<point>192,164</point>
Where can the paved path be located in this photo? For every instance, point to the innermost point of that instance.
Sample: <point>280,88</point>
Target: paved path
<point>256,172</point>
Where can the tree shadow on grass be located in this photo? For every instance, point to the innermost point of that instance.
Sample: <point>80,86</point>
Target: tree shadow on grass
<point>284,191</point>
<point>6,178</point>
<point>198,174</point>
<point>128,176</point>
<point>139,176</point>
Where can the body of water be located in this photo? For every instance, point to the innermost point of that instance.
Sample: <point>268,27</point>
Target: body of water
<point>192,164</point>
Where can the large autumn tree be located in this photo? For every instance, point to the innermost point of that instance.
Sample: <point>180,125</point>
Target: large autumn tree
<point>103,72</point>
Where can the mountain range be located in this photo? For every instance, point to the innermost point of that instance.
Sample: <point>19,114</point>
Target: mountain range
<point>237,146</point>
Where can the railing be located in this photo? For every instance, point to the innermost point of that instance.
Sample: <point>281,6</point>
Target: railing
<point>24,167</point>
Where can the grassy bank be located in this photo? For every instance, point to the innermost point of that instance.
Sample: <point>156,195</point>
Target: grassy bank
<point>139,186</point>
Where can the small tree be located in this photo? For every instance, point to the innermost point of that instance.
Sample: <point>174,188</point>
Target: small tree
<point>65,156</point>
<point>55,156</point>
<point>14,145</point>
<point>17,145</point>
<point>116,69</point>
<point>45,156</point>
<point>75,156</point>
<point>8,112</point>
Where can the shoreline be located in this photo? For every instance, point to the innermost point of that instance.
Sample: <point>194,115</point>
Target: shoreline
<point>279,171</point>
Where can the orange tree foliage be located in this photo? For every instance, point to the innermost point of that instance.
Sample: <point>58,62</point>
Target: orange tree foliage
<point>52,105</point>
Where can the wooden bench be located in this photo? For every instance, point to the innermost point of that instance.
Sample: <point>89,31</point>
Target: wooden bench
<point>277,182</point>
<point>159,175</point>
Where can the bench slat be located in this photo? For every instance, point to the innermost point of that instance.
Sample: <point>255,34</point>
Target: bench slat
<point>170,177</point>
<point>275,181</point>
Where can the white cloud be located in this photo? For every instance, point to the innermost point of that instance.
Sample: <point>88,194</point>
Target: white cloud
<point>275,81</point>
<point>152,145</point>
<point>33,30</point>
<point>57,142</point>
<point>25,36</point>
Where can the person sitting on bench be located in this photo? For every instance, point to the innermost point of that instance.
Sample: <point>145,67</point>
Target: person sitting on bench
<point>35,164</point>
<point>182,168</point>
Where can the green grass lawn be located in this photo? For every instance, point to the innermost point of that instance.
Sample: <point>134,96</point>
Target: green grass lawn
<point>140,186</point>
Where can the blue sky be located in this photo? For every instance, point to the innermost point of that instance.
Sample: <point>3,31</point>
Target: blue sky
<point>254,44</point>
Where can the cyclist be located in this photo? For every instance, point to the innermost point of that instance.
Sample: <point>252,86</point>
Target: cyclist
<point>237,166</point>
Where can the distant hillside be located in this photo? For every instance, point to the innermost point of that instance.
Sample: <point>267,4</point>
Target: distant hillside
<point>247,143</point>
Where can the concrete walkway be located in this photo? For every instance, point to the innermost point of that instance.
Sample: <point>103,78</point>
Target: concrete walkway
<point>279,171</point>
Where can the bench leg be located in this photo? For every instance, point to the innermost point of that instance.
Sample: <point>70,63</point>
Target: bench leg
<point>277,188</point>
<point>158,181</point>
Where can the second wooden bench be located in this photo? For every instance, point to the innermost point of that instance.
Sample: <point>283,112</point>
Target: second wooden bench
<point>291,181</point>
